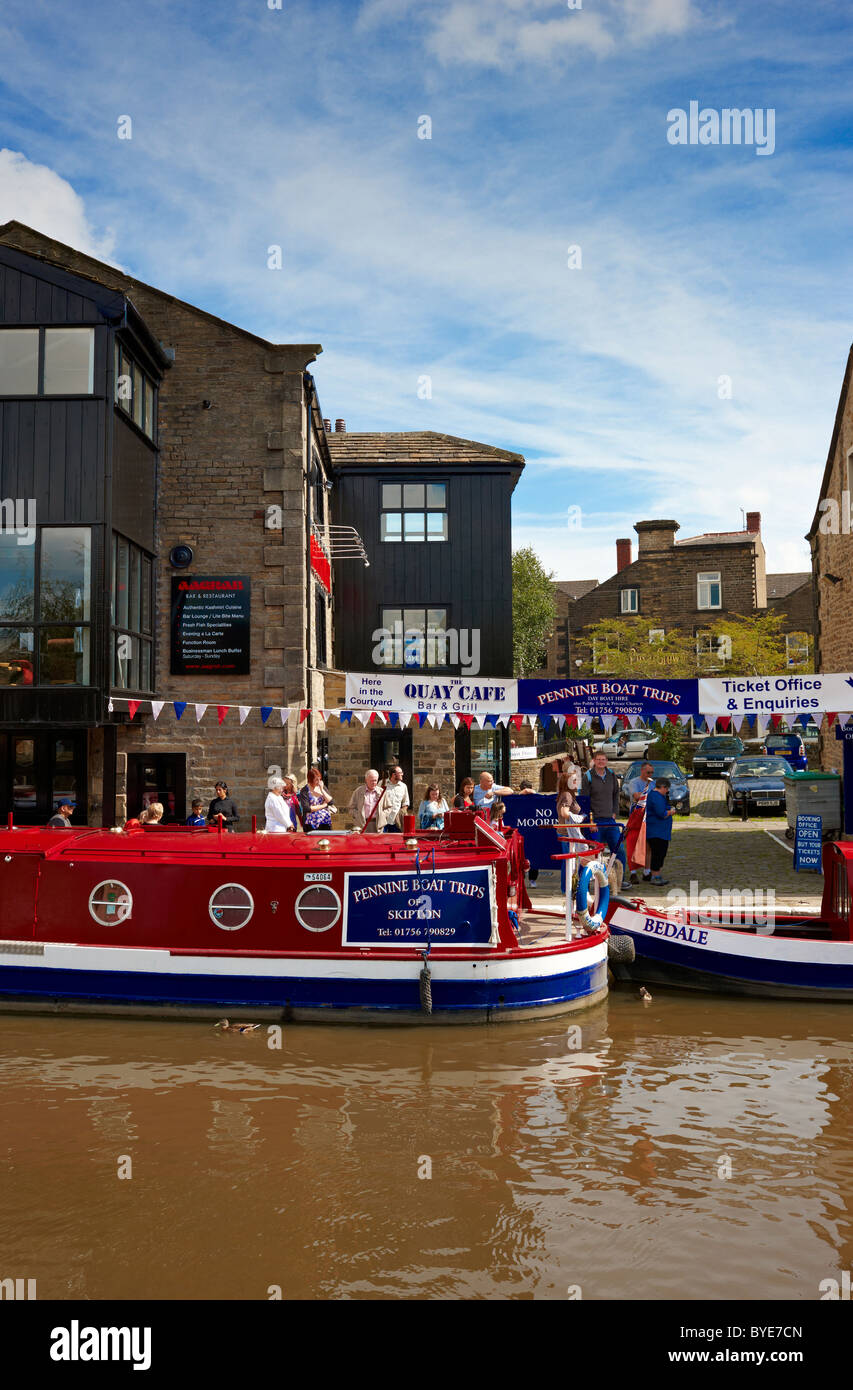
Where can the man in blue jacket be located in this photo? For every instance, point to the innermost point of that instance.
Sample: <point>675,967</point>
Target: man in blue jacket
<point>602,787</point>
<point>659,815</point>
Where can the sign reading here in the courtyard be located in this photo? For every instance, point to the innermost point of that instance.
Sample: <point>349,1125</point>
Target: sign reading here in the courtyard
<point>210,624</point>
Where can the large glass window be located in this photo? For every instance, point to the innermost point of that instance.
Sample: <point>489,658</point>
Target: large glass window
<point>132,608</point>
<point>19,361</point>
<point>66,573</point>
<point>69,361</point>
<point>134,392</point>
<point>414,512</point>
<point>45,607</point>
<point>17,578</point>
<point>16,656</point>
<point>416,637</point>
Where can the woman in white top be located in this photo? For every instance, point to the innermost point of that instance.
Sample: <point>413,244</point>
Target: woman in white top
<point>278,813</point>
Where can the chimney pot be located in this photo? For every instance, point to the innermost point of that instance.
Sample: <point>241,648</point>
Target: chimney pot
<point>623,553</point>
<point>340,427</point>
<point>753,522</point>
<point>327,425</point>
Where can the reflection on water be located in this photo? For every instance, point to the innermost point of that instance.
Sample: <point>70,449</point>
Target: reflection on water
<point>685,1148</point>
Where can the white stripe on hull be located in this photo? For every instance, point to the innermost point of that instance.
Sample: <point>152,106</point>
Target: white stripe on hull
<point>738,943</point>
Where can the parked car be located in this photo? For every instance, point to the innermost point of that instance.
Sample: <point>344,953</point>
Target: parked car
<point>715,754</point>
<point>679,789</point>
<point>626,743</point>
<point>758,783</point>
<point>788,746</point>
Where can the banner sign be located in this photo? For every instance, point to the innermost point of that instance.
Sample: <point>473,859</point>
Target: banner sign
<point>534,814</point>
<point>447,907</point>
<point>776,695</point>
<point>210,625</point>
<point>433,694</point>
<point>807,843</point>
<point>635,697</point>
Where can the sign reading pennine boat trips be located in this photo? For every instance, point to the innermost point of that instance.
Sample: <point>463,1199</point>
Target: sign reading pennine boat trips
<point>435,694</point>
<point>450,907</point>
<point>210,624</point>
<point>807,694</point>
<point>636,697</point>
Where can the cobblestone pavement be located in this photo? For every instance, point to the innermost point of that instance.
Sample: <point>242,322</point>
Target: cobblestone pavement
<point>712,850</point>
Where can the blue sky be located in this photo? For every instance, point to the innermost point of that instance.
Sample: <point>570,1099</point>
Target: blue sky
<point>447,257</point>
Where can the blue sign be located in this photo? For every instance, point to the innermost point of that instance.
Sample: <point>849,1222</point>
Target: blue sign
<point>642,698</point>
<point>534,815</point>
<point>807,843</point>
<point>447,907</point>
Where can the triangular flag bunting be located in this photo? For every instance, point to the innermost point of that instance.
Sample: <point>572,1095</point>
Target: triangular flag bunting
<point>303,715</point>
<point>517,720</point>
<point>362,716</point>
<point>199,713</point>
<point>481,720</point>
<point>492,721</point>
<point>467,720</point>
<point>608,720</point>
<point>503,720</point>
<point>422,718</point>
<point>404,718</point>
<point>830,716</point>
<point>133,706</point>
<point>345,716</point>
<point>285,715</point>
<point>221,711</point>
<point>245,711</point>
<point>266,711</point>
<point>179,707</point>
<point>156,707</point>
<point>454,719</point>
<point>775,720</point>
<point>685,719</point>
<point>327,714</point>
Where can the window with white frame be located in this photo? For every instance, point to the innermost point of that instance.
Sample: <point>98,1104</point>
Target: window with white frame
<point>709,590</point>
<point>603,654</point>
<point>712,651</point>
<point>656,634</point>
<point>629,600</point>
<point>796,648</point>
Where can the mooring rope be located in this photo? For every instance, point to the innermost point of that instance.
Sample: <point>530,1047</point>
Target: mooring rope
<point>425,979</point>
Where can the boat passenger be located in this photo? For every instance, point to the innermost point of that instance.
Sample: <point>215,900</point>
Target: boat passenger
<point>277,809</point>
<point>198,817</point>
<point>395,801</point>
<point>153,814</point>
<point>464,798</point>
<point>570,815</point>
<point>487,793</point>
<point>364,802</point>
<point>291,796</point>
<point>317,803</point>
<point>62,819</point>
<point>432,809</point>
<point>223,805</point>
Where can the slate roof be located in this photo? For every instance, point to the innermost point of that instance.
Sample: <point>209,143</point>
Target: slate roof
<point>412,447</point>
<point>575,588</point>
<point>720,538</point>
<point>780,585</point>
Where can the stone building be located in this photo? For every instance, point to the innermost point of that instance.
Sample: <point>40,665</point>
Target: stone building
<point>687,584</point>
<point>217,446</point>
<point>832,557</point>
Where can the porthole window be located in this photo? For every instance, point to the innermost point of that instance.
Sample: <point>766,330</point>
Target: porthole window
<point>110,903</point>
<point>317,909</point>
<point>231,906</point>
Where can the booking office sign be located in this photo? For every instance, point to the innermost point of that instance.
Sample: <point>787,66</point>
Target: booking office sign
<point>433,907</point>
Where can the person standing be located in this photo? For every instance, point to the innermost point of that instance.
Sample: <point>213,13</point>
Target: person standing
<point>316,802</point>
<point>364,802</point>
<point>62,819</point>
<point>432,809</point>
<point>277,809</point>
<point>395,800</point>
<point>223,805</point>
<point>659,815</point>
<point>602,786</point>
<point>569,814</point>
<point>153,814</point>
<point>291,796</point>
<point>197,817</point>
<point>636,836</point>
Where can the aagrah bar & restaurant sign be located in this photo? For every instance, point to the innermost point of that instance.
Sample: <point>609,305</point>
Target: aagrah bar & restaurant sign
<point>210,625</point>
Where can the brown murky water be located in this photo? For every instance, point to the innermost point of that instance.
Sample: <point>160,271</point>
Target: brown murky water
<point>552,1166</point>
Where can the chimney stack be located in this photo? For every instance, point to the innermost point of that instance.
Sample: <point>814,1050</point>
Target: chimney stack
<point>340,427</point>
<point>753,523</point>
<point>655,536</point>
<point>327,425</point>
<point>623,553</point>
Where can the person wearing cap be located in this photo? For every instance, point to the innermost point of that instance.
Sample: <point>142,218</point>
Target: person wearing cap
<point>62,819</point>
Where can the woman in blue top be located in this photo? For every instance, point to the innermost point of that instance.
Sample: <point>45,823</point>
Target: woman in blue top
<point>659,815</point>
<point>432,808</point>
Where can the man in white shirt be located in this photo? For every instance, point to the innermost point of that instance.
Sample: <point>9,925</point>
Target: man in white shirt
<point>395,800</point>
<point>364,800</point>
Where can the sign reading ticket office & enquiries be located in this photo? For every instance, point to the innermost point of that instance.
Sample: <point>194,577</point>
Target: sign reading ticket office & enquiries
<point>787,695</point>
<point>210,625</point>
<point>448,907</point>
<point>433,694</point>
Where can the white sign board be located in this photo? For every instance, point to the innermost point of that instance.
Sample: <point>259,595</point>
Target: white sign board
<point>807,694</point>
<point>435,694</point>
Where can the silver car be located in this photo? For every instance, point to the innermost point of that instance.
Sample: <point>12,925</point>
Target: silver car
<point>626,743</point>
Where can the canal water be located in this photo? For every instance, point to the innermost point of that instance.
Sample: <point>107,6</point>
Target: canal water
<point>685,1148</point>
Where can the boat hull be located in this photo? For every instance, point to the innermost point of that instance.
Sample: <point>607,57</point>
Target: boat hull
<point>722,960</point>
<point>161,983</point>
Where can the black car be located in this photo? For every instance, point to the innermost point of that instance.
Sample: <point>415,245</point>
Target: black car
<point>757,783</point>
<point>715,755</point>
<point>679,788</point>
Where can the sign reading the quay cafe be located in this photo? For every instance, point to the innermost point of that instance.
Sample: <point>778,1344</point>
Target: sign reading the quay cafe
<point>435,694</point>
<point>210,625</point>
<point>447,907</point>
<point>792,695</point>
<point>635,697</point>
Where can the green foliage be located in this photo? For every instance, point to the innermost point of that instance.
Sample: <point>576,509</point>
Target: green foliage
<point>629,652</point>
<point>533,611</point>
<point>757,644</point>
<point>669,743</point>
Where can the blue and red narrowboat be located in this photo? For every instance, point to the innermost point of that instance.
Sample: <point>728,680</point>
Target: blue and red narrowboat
<point>744,951</point>
<point>375,928</point>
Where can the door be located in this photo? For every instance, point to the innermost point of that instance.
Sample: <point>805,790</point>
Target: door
<point>158,777</point>
<point>38,771</point>
<point>482,750</point>
<point>389,746</point>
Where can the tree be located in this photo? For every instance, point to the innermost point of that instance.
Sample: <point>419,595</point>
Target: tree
<point>534,611</point>
<point>754,644</point>
<point>626,647</point>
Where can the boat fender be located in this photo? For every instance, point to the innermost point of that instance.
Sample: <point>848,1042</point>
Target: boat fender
<point>587,873</point>
<point>621,949</point>
<point>425,979</point>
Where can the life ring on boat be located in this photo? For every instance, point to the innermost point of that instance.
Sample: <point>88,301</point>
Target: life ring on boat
<point>588,872</point>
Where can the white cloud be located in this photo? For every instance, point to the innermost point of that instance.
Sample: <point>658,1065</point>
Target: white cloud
<point>41,198</point>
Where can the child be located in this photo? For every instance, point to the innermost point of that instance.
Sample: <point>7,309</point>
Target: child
<point>659,815</point>
<point>198,817</point>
